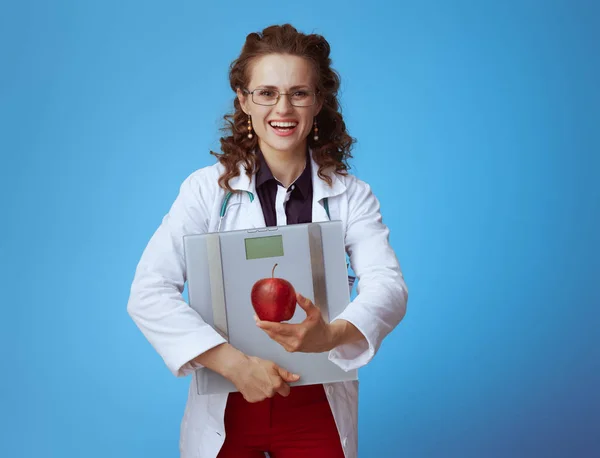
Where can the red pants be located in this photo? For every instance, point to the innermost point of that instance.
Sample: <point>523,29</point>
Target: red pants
<point>298,426</point>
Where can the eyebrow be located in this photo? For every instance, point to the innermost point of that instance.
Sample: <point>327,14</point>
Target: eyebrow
<point>266,86</point>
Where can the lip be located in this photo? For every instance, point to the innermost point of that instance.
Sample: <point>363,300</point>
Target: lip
<point>286,133</point>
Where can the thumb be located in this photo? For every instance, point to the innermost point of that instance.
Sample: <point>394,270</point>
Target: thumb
<point>306,304</point>
<point>287,376</point>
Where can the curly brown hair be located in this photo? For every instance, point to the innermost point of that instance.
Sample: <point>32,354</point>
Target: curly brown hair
<point>332,150</point>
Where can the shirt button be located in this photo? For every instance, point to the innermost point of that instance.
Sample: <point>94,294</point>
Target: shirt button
<point>329,390</point>
<point>344,442</point>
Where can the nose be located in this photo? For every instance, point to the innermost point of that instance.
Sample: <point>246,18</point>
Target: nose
<point>284,105</point>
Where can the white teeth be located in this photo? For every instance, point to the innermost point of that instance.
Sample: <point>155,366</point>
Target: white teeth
<point>283,124</point>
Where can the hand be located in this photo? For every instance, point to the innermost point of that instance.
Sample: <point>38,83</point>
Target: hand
<point>258,379</point>
<point>313,335</point>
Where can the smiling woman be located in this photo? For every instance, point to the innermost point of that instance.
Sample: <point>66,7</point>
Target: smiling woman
<point>286,90</point>
<point>286,143</point>
<point>281,128</point>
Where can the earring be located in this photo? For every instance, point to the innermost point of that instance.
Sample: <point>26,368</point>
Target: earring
<point>316,129</point>
<point>249,127</point>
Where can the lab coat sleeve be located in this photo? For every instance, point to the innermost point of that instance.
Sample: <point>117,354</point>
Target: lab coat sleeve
<point>156,304</point>
<point>382,293</point>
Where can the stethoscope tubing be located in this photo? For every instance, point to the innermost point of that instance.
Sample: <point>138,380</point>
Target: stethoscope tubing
<point>225,207</point>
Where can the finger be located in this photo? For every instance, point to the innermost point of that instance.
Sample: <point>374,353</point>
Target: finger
<point>287,375</point>
<point>283,390</point>
<point>303,302</point>
<point>307,305</point>
<point>276,337</point>
<point>283,329</point>
<point>285,341</point>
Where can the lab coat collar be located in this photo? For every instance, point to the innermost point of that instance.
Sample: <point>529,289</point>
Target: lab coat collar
<point>321,190</point>
<point>242,182</point>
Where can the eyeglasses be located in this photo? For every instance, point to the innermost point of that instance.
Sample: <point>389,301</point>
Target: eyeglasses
<point>268,97</point>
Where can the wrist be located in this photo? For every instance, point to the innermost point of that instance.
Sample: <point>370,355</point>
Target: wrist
<point>224,359</point>
<point>231,362</point>
<point>343,332</point>
<point>337,333</point>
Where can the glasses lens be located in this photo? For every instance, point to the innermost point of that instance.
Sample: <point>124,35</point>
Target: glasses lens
<point>271,96</point>
<point>265,96</point>
<point>302,98</point>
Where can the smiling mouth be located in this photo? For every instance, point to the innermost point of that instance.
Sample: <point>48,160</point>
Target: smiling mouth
<point>282,127</point>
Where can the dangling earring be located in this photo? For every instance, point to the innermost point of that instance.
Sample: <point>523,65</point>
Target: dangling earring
<point>249,127</point>
<point>316,129</point>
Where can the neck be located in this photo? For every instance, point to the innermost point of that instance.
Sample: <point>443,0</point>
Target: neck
<point>285,166</point>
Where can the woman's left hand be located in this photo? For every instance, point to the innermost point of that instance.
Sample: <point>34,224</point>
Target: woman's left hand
<point>313,335</point>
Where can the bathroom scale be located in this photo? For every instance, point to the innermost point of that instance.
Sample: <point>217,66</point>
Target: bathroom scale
<point>223,267</point>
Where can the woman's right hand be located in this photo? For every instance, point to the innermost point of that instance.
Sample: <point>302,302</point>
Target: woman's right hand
<point>258,379</point>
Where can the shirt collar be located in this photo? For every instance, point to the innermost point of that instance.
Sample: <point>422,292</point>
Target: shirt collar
<point>321,189</point>
<point>303,182</point>
<point>263,173</point>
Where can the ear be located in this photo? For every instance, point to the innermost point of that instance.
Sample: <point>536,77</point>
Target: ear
<point>243,98</point>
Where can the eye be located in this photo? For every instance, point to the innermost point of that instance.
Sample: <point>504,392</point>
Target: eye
<point>266,93</point>
<point>300,94</point>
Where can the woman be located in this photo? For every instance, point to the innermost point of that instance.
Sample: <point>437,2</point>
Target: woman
<point>287,146</point>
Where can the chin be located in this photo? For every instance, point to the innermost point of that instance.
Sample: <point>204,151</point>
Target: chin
<point>285,144</point>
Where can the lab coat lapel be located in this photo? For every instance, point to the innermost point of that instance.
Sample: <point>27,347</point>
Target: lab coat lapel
<point>322,190</point>
<point>253,213</point>
<point>250,213</point>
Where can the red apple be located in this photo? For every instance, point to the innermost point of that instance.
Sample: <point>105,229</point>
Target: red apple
<point>273,299</point>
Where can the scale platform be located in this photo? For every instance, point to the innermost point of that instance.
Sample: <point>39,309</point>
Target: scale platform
<point>222,269</point>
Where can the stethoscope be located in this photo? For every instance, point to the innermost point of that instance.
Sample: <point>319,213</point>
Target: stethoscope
<point>225,206</point>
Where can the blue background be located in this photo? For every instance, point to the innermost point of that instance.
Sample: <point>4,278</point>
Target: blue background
<point>477,126</point>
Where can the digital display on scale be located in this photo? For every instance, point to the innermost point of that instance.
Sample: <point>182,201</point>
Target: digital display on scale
<point>264,247</point>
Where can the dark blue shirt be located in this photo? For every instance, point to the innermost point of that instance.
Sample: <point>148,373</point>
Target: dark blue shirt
<point>299,206</point>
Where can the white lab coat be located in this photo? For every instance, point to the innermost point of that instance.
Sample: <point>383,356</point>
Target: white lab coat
<point>179,334</point>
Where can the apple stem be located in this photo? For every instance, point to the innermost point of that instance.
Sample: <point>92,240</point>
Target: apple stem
<point>273,271</point>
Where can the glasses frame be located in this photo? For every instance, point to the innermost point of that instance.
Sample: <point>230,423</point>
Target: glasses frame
<point>279,94</point>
